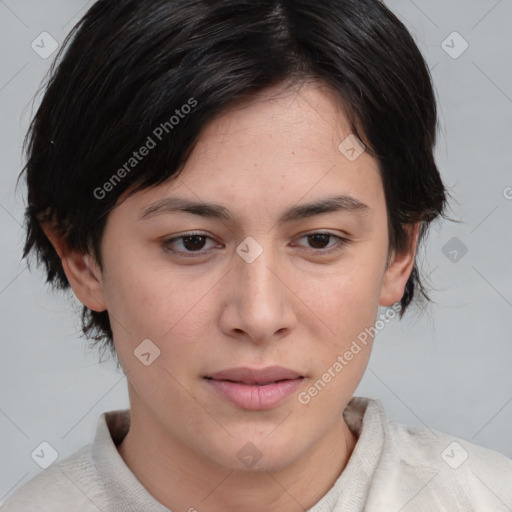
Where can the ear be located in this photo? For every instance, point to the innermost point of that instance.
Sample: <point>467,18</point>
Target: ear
<point>399,269</point>
<point>82,271</point>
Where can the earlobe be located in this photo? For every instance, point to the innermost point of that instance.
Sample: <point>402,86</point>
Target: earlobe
<point>81,270</point>
<point>399,269</point>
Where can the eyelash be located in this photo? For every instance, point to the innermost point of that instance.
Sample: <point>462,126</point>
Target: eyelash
<point>194,254</point>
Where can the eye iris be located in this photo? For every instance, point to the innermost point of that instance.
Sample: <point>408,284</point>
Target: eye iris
<point>195,242</point>
<point>319,237</point>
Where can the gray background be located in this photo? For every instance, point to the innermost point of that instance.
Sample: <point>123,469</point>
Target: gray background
<point>448,369</point>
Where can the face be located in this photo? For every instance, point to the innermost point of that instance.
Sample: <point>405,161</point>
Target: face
<point>250,287</point>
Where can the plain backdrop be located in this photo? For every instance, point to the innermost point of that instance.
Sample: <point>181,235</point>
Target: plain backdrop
<point>447,369</point>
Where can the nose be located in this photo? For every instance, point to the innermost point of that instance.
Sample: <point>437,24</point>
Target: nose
<point>260,303</point>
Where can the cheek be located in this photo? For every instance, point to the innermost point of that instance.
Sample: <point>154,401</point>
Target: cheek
<point>170,307</point>
<point>346,300</point>
<point>340,357</point>
<point>133,295</point>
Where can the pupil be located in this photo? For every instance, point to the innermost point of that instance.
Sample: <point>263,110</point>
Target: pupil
<point>195,242</point>
<point>318,238</point>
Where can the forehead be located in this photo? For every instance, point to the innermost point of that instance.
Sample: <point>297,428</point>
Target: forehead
<point>279,148</point>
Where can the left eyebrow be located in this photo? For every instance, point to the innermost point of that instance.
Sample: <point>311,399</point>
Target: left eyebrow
<point>327,205</point>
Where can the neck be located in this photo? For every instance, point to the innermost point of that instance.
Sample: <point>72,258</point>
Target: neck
<point>181,479</point>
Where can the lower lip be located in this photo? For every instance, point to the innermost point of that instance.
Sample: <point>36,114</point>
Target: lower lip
<point>253,397</point>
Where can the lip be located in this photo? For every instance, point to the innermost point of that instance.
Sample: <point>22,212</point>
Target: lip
<point>255,389</point>
<point>255,376</point>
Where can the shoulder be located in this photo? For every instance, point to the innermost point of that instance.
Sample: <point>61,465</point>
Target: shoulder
<point>447,472</point>
<point>437,449</point>
<point>71,484</point>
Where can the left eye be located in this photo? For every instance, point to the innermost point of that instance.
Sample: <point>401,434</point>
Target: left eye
<point>322,238</point>
<point>194,243</point>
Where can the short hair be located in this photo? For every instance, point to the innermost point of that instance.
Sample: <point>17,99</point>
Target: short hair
<point>130,66</point>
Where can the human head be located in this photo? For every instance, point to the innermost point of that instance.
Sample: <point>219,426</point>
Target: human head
<point>246,103</point>
<point>132,66</point>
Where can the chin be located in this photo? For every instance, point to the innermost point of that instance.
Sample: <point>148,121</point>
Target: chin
<point>258,454</point>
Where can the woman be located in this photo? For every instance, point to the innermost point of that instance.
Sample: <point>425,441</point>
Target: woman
<point>232,189</point>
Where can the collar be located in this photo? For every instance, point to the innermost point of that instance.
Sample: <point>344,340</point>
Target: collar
<point>365,418</point>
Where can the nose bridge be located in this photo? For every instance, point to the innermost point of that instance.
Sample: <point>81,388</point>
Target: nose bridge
<point>260,292</point>
<point>254,266</point>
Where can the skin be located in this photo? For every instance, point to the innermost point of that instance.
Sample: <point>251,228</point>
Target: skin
<point>292,306</point>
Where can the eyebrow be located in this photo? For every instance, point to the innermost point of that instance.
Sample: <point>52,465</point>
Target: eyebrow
<point>344,203</point>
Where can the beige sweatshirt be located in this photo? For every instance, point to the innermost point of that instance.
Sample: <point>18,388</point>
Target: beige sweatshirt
<point>393,468</point>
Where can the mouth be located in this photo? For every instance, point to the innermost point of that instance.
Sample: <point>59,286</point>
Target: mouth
<point>250,376</point>
<point>255,389</point>
<point>253,383</point>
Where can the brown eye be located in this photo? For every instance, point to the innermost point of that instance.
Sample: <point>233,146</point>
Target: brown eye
<point>190,244</point>
<point>319,242</point>
<point>194,242</point>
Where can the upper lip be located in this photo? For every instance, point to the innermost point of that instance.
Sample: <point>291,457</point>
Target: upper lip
<point>255,376</point>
